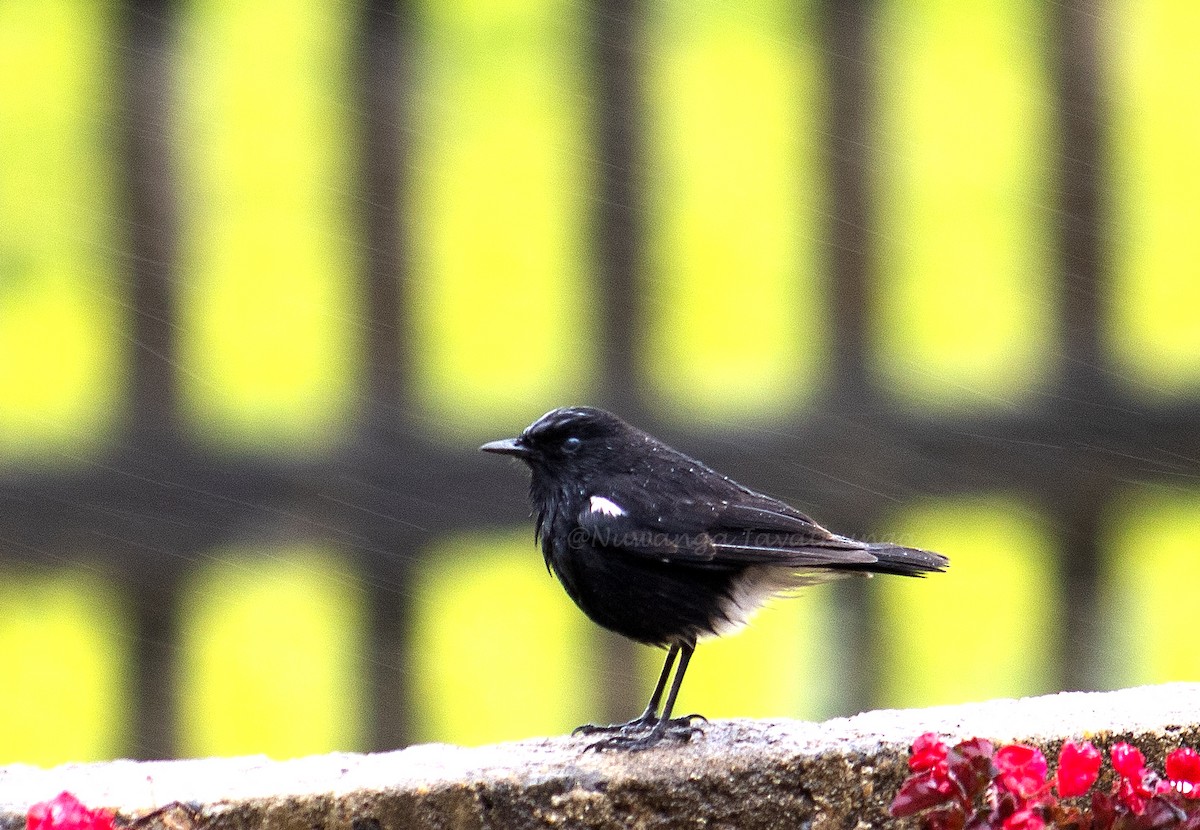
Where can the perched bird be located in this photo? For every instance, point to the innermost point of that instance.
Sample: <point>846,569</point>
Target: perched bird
<point>657,547</point>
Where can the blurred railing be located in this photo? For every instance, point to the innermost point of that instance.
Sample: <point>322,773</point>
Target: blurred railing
<point>270,275</point>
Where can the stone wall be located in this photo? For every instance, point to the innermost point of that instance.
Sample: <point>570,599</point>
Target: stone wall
<point>741,774</point>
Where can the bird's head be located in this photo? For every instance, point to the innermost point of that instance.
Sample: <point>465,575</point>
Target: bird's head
<point>567,444</point>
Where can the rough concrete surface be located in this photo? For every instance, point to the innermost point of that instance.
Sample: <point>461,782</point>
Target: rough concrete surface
<point>740,774</point>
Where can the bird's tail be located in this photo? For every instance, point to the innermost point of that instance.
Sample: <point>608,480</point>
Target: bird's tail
<point>902,561</point>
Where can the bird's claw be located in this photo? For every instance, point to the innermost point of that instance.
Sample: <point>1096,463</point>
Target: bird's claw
<point>635,740</point>
<point>596,729</point>
<point>636,725</point>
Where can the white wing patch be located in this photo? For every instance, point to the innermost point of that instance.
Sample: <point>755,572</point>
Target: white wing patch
<point>606,507</point>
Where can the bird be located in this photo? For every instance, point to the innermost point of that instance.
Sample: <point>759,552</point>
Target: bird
<point>663,550</point>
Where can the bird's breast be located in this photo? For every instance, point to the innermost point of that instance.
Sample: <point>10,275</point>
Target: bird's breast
<point>646,599</point>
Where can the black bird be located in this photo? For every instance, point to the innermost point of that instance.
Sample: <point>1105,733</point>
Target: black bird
<point>657,547</point>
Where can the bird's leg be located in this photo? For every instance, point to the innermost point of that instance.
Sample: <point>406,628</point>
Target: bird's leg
<point>650,716</point>
<point>665,726</point>
<point>645,720</point>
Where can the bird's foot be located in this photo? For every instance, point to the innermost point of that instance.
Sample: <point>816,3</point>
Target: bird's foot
<point>676,729</point>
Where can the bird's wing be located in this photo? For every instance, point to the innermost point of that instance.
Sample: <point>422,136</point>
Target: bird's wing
<point>744,528</point>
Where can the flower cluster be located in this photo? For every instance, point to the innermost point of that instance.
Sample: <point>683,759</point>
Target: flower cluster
<point>66,812</point>
<point>973,786</point>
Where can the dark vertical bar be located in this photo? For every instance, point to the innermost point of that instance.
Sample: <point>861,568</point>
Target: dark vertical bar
<point>848,162</point>
<point>151,227</point>
<point>849,58</point>
<point>153,686</point>
<point>382,88</point>
<point>617,244</point>
<point>1080,655</point>
<point>1074,27</point>
<point>1074,35</point>
<point>152,219</point>
<point>387,429</point>
<point>617,224</point>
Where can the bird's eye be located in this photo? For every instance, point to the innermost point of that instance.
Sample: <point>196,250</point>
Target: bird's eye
<point>571,444</point>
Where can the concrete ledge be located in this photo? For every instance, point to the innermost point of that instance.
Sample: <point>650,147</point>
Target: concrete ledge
<point>742,773</point>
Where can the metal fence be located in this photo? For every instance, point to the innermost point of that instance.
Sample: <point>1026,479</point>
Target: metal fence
<point>155,500</point>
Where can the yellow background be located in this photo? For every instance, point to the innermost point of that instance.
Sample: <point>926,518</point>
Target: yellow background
<point>498,205</point>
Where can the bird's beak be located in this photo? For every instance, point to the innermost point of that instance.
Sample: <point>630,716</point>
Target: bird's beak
<point>507,446</point>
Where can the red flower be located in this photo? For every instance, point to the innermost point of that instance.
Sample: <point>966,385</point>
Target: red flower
<point>1127,760</point>
<point>921,791</point>
<point>1183,770</point>
<point>1078,767</point>
<point>1026,819</point>
<point>1128,795</point>
<point>66,812</point>
<point>930,784</point>
<point>1137,783</point>
<point>928,751</point>
<point>1022,770</point>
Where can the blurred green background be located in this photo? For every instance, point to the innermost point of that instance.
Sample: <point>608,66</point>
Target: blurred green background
<point>501,322</point>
